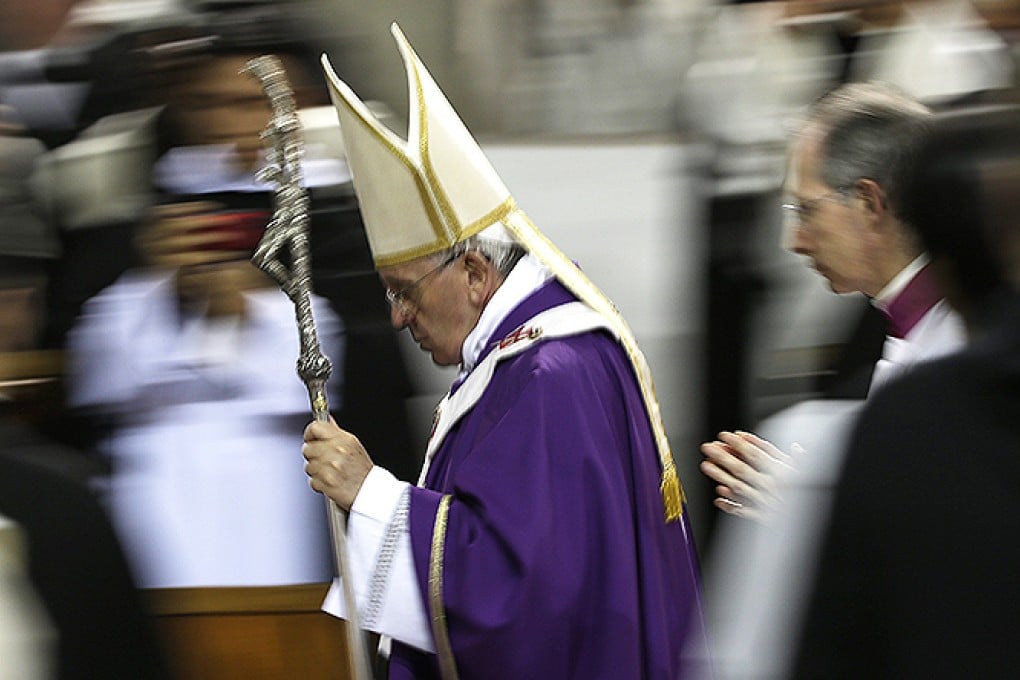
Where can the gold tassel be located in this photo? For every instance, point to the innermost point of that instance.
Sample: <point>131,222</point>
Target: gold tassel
<point>672,493</point>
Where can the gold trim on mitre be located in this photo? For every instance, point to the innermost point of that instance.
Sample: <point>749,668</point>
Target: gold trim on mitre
<point>422,195</point>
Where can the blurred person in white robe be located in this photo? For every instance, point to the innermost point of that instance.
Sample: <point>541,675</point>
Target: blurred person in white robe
<point>938,51</point>
<point>191,357</point>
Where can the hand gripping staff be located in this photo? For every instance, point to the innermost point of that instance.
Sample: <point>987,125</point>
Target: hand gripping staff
<point>288,230</point>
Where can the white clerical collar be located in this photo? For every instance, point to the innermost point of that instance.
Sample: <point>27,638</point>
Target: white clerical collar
<point>527,276</point>
<point>899,282</point>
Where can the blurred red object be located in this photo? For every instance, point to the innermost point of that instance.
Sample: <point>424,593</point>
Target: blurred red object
<point>237,230</point>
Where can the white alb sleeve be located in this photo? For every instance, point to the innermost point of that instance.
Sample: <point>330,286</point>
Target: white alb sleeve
<point>383,577</point>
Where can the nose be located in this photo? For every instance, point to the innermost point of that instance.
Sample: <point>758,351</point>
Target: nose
<point>795,238</point>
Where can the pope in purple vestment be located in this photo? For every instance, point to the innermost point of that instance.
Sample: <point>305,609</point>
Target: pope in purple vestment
<point>558,561</point>
<point>547,536</point>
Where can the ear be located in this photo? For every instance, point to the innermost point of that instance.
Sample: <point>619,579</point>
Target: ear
<point>872,197</point>
<point>481,276</point>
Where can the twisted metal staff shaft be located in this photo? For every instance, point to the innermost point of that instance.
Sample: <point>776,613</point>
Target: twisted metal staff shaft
<point>288,231</point>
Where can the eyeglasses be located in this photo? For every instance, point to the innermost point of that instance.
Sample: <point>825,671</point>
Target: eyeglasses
<point>802,210</point>
<point>402,300</point>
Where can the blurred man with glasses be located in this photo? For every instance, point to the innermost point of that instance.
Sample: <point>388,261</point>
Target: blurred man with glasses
<point>849,164</point>
<point>909,584</point>
<point>847,169</point>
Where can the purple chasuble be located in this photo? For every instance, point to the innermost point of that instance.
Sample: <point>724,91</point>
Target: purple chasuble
<point>558,560</point>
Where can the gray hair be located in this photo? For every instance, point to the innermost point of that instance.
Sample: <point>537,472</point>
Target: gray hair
<point>871,131</point>
<point>504,255</point>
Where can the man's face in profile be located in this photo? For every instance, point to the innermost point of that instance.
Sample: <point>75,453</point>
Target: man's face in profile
<point>824,226</point>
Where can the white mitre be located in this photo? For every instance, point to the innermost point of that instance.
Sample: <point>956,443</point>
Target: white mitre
<point>437,188</point>
<point>423,195</point>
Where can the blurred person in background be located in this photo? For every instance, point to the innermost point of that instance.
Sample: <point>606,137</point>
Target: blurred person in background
<point>547,536</point>
<point>76,564</point>
<point>941,52</point>
<point>93,624</point>
<point>774,59</point>
<point>849,165</point>
<point>23,225</point>
<point>99,188</point>
<point>48,110</point>
<point>187,361</point>
<point>919,564</point>
<point>847,170</point>
<point>26,636</point>
<point>219,340</point>
<point>756,64</point>
<point>62,64</point>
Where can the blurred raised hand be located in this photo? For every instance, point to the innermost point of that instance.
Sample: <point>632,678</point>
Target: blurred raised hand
<point>748,472</point>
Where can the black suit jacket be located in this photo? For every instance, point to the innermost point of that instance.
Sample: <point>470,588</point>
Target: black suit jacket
<point>920,570</point>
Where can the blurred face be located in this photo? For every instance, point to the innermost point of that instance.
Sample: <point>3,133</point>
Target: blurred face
<point>826,227</point>
<point>219,288</point>
<point>437,304</point>
<point>213,103</point>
